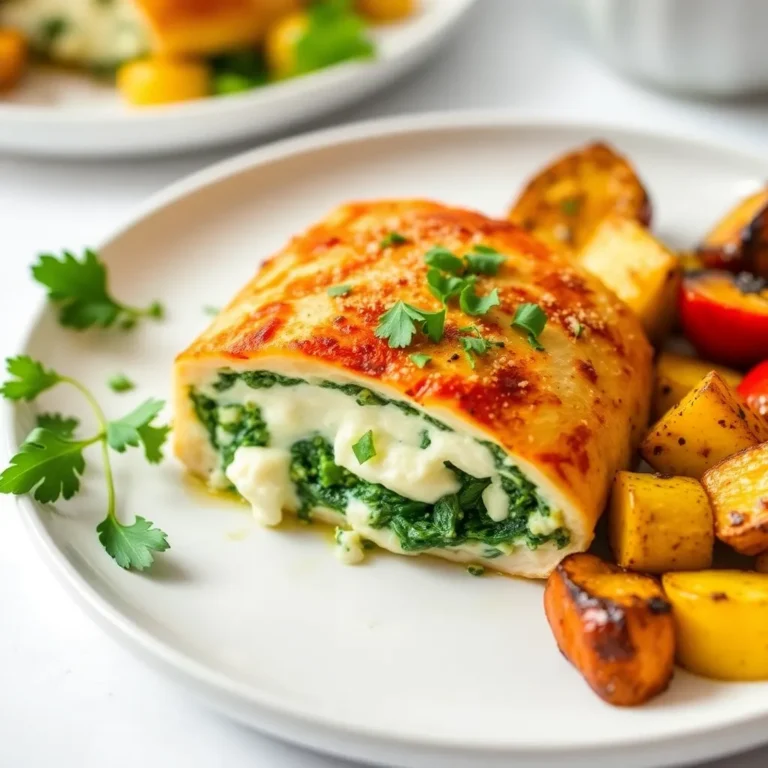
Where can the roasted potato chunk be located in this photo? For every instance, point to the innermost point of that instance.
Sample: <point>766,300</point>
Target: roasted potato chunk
<point>722,623</point>
<point>638,269</point>
<point>660,523</point>
<point>615,627</point>
<point>565,202</point>
<point>677,375</point>
<point>739,241</point>
<point>738,490</point>
<point>709,424</point>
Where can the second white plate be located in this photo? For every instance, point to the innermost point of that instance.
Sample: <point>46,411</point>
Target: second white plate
<point>59,113</point>
<point>406,661</point>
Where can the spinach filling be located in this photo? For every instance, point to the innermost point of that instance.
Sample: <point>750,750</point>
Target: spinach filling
<point>453,520</point>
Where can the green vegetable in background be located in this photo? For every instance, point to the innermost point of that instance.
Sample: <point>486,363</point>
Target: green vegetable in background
<point>50,462</point>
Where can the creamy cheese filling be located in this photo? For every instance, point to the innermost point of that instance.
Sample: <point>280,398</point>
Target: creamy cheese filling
<point>289,445</point>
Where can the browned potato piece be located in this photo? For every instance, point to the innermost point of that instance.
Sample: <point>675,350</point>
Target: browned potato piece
<point>660,523</point>
<point>761,563</point>
<point>615,627</point>
<point>709,424</point>
<point>677,375</point>
<point>738,490</point>
<point>739,241</point>
<point>639,269</point>
<point>565,202</point>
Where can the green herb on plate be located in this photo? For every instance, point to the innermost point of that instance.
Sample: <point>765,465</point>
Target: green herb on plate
<point>531,318</point>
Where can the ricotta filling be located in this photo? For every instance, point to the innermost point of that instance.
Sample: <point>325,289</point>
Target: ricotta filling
<point>415,457</point>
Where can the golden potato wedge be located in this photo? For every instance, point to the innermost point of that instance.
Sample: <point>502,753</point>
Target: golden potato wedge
<point>564,203</point>
<point>721,619</point>
<point>738,490</point>
<point>659,523</point>
<point>202,27</point>
<point>709,424</point>
<point>761,563</point>
<point>677,375</point>
<point>615,627</point>
<point>638,269</point>
<point>739,241</point>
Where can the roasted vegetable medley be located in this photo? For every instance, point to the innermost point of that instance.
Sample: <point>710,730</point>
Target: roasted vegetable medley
<point>708,449</point>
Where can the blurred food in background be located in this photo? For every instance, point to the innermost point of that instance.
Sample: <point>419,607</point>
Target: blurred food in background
<point>163,51</point>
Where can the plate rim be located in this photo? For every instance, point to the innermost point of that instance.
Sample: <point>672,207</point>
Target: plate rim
<point>220,691</point>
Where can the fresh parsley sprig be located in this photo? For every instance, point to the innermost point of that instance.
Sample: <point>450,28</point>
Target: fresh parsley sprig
<point>80,289</point>
<point>532,319</point>
<point>51,460</point>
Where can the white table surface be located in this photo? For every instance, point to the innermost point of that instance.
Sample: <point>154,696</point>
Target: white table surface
<point>68,695</point>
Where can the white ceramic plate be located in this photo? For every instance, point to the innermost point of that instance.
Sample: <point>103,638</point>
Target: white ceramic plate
<point>405,661</point>
<point>57,113</point>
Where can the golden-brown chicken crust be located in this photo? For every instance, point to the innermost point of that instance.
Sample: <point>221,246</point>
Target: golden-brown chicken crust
<point>574,409</point>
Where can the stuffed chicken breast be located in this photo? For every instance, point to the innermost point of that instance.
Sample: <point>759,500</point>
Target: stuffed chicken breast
<point>387,372</point>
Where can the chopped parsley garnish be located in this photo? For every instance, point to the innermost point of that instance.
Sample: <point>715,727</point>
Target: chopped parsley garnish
<point>81,291</point>
<point>420,360</point>
<point>484,261</point>
<point>339,290</point>
<point>444,287</point>
<point>364,448</point>
<point>476,344</point>
<point>120,383</point>
<point>400,323</point>
<point>442,259</point>
<point>570,206</point>
<point>392,239</point>
<point>475,305</point>
<point>210,310</point>
<point>531,318</point>
<point>476,570</point>
<point>51,461</point>
<point>574,326</point>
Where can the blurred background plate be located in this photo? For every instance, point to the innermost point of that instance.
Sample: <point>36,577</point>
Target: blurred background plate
<point>61,113</point>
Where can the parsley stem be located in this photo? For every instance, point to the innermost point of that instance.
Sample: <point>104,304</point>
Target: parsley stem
<point>103,424</point>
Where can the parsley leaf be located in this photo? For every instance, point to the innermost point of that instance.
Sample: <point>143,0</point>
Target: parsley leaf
<point>420,360</point>
<point>485,260</point>
<point>339,290</point>
<point>444,287</point>
<point>531,318</point>
<point>334,33</point>
<point>131,546</point>
<point>134,428</point>
<point>434,324</point>
<point>80,288</point>
<point>63,426</point>
<point>476,344</point>
<point>47,463</point>
<point>476,570</point>
<point>120,383</point>
<point>397,324</point>
<point>30,378</point>
<point>211,310</point>
<point>475,305</point>
<point>443,259</point>
<point>400,323</point>
<point>392,239</point>
<point>364,448</point>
